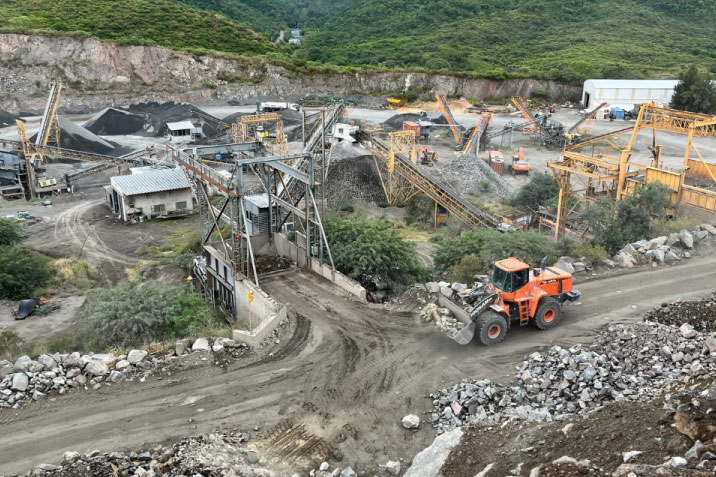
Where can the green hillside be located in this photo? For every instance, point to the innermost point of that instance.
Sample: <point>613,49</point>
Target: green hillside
<point>143,22</point>
<point>565,40</point>
<point>561,39</point>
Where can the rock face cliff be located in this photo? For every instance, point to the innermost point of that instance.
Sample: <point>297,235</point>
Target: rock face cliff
<point>97,74</point>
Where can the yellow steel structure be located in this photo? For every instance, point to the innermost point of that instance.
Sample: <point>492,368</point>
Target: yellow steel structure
<point>519,103</point>
<point>394,157</point>
<point>614,177</point>
<point>397,189</point>
<point>445,109</point>
<point>240,130</point>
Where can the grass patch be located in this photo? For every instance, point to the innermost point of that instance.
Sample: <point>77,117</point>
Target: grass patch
<point>659,227</point>
<point>75,273</point>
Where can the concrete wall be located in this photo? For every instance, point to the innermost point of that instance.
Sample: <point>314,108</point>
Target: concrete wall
<point>290,250</point>
<point>265,313</point>
<point>145,202</point>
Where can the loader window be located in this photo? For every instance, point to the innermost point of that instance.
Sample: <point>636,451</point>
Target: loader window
<point>502,279</point>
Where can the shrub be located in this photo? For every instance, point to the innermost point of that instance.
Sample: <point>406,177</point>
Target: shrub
<point>10,343</point>
<point>466,269</point>
<point>370,251</point>
<point>540,190</point>
<point>10,232</point>
<point>593,253</point>
<point>75,273</point>
<point>135,313</point>
<point>490,245</point>
<point>486,186</point>
<point>383,205</point>
<point>421,207</point>
<point>22,272</point>
<point>659,227</point>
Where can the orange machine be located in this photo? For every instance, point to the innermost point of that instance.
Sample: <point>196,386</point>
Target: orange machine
<point>516,294</point>
<point>427,158</point>
<point>519,164</point>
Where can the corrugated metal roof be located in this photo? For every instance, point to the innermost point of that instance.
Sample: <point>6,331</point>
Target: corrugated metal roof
<point>259,200</point>
<point>151,181</point>
<point>180,125</point>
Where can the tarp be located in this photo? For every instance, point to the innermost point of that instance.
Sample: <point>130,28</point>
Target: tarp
<point>26,308</point>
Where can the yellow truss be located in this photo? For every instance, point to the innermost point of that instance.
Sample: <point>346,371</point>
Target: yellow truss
<point>240,130</point>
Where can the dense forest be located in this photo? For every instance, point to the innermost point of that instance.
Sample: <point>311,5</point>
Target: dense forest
<point>565,40</point>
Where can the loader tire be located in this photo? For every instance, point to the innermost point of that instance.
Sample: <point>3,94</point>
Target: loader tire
<point>548,314</point>
<point>491,327</point>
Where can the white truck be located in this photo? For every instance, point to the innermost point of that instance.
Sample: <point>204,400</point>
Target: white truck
<point>270,107</point>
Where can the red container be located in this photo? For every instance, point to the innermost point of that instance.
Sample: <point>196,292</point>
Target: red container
<point>412,126</point>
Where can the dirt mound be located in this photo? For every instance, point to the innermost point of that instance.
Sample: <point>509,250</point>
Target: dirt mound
<point>395,123</point>
<point>77,138</point>
<point>6,119</point>
<point>700,314</point>
<point>158,114</point>
<point>113,121</point>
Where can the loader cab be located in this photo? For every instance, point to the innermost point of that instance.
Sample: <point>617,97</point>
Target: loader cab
<point>510,275</point>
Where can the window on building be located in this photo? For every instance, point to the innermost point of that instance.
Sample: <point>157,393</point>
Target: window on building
<point>181,205</point>
<point>158,208</point>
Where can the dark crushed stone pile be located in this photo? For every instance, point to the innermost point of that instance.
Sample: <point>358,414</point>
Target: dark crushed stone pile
<point>700,314</point>
<point>114,121</point>
<point>158,114</point>
<point>6,119</point>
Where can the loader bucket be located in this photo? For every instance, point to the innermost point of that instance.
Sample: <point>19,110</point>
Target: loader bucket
<point>464,336</point>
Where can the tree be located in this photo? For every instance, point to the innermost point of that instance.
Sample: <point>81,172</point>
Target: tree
<point>695,92</point>
<point>540,190</point>
<point>9,232</point>
<point>371,252</point>
<point>22,271</point>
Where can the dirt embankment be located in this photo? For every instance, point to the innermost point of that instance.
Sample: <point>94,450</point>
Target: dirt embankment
<point>96,74</point>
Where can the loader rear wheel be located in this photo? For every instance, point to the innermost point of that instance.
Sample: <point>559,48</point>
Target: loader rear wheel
<point>491,327</point>
<point>548,314</point>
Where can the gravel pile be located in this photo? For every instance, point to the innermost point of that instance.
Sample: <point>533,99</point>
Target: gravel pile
<point>625,362</point>
<point>27,379</point>
<point>466,172</point>
<point>699,314</point>
<point>158,114</point>
<point>114,121</point>
<point>6,119</point>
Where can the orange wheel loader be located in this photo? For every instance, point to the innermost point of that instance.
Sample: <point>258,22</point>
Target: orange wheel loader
<point>516,295</point>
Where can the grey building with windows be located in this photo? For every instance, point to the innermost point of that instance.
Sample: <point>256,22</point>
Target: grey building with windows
<point>148,193</point>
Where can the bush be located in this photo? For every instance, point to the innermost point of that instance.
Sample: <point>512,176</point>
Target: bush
<point>136,313</point>
<point>22,271</point>
<point>659,227</point>
<point>370,251</point>
<point>10,232</point>
<point>540,190</point>
<point>10,343</point>
<point>75,273</point>
<point>469,266</point>
<point>490,245</point>
<point>485,186</point>
<point>383,205</point>
<point>594,254</point>
<point>421,207</point>
<point>628,220</point>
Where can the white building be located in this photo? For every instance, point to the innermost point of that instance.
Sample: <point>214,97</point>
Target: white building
<point>184,131</point>
<point>626,94</point>
<point>148,193</point>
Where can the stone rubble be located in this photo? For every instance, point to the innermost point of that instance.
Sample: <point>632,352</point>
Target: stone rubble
<point>664,250</point>
<point>626,362</point>
<point>29,379</point>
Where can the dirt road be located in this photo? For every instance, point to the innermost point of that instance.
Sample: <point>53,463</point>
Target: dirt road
<point>343,380</point>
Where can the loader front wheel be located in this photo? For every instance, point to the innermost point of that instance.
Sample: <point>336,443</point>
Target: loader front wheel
<point>491,327</point>
<point>548,314</point>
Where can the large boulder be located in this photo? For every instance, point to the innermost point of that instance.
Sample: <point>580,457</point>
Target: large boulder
<point>656,255</point>
<point>656,242</point>
<point>579,267</point>
<point>201,344</point>
<point>20,382</point>
<point>629,248</point>
<point>697,422</point>
<point>686,238</point>
<point>96,367</point>
<point>566,266</point>
<point>23,363</point>
<point>136,355</point>
<point>430,460</point>
<point>709,228</point>
<point>73,360</point>
<point>624,260</point>
<point>6,367</point>
<point>48,362</point>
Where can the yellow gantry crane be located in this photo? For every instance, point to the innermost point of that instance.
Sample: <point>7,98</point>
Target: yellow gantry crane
<point>585,177</point>
<point>240,130</point>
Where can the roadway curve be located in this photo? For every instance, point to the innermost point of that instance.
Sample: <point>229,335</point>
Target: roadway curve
<point>347,375</point>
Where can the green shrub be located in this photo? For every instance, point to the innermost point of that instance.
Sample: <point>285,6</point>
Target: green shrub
<point>371,251</point>
<point>664,226</point>
<point>135,313</point>
<point>594,253</point>
<point>486,186</point>
<point>490,245</point>
<point>10,232</point>
<point>383,205</point>
<point>467,268</point>
<point>75,273</point>
<point>22,272</point>
<point>10,343</point>
<point>540,190</point>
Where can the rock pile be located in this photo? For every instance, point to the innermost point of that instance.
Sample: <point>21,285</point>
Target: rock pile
<point>699,314</point>
<point>466,172</point>
<point>442,318</point>
<point>625,362</point>
<point>27,379</point>
<point>665,250</point>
